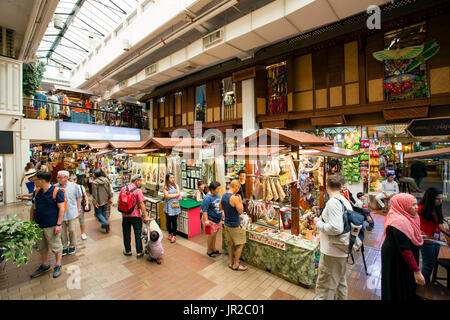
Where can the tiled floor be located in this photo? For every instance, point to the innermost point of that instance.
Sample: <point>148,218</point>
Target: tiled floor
<point>185,273</point>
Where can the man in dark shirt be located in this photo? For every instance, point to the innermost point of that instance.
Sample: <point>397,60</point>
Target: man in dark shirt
<point>48,212</point>
<point>418,172</point>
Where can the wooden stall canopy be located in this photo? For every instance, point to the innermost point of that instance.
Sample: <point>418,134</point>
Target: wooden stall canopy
<point>169,143</point>
<point>98,146</point>
<point>126,144</point>
<point>258,153</point>
<point>286,138</point>
<point>441,153</point>
<point>329,151</point>
<point>139,151</point>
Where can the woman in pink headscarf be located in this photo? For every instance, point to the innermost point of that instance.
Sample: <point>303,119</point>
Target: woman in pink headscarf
<point>400,251</point>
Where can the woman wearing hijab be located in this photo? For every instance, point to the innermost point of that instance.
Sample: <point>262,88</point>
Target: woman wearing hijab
<point>400,251</point>
<point>431,224</point>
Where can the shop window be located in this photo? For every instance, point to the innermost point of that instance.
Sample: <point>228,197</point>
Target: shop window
<point>161,114</point>
<point>277,88</point>
<point>200,103</point>
<point>404,62</point>
<point>177,99</point>
<point>228,99</point>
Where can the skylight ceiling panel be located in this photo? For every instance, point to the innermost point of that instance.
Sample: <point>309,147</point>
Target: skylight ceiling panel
<point>95,19</point>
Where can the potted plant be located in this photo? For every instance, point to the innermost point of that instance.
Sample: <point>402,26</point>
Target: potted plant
<point>16,236</point>
<point>33,73</point>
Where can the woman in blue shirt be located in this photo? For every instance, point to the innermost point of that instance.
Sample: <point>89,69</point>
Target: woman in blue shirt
<point>171,206</point>
<point>212,217</point>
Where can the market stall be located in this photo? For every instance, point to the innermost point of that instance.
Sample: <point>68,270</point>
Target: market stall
<point>440,154</point>
<point>285,183</point>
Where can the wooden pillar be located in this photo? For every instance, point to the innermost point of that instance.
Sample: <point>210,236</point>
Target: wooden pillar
<point>249,172</point>
<point>295,199</point>
<point>322,188</point>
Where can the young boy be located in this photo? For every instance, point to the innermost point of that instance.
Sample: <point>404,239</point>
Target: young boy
<point>153,244</point>
<point>360,203</point>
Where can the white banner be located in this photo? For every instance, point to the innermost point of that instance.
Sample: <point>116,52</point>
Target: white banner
<point>268,241</point>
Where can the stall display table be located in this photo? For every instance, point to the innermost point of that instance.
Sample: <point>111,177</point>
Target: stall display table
<point>296,259</point>
<point>189,218</point>
<point>155,210</point>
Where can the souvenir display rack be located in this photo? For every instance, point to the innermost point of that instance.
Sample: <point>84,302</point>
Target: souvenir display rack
<point>293,254</point>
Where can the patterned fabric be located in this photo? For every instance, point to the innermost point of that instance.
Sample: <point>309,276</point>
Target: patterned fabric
<point>168,203</point>
<point>297,262</point>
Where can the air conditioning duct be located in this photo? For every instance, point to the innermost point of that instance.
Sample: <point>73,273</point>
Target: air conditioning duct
<point>213,38</point>
<point>126,44</point>
<point>187,67</point>
<point>58,22</point>
<point>123,84</point>
<point>151,69</point>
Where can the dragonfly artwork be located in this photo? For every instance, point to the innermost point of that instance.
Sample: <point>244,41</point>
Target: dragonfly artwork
<point>404,68</point>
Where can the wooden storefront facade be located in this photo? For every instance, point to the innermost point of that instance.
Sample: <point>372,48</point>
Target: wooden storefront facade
<point>332,79</point>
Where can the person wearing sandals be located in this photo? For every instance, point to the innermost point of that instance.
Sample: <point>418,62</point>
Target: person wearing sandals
<point>212,217</point>
<point>233,208</point>
<point>171,206</point>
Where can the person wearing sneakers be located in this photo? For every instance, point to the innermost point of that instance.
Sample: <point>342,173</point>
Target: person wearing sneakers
<point>73,211</point>
<point>101,197</point>
<point>85,207</point>
<point>171,206</point>
<point>47,211</point>
<point>134,218</point>
<point>233,208</point>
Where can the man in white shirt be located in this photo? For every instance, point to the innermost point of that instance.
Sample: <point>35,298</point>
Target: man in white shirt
<point>73,211</point>
<point>389,188</point>
<point>332,281</point>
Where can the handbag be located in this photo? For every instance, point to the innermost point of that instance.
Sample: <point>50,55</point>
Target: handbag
<point>175,204</point>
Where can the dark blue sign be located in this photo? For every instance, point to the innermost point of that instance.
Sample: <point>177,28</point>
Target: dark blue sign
<point>430,127</point>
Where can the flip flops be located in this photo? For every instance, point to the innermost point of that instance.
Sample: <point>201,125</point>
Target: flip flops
<point>239,268</point>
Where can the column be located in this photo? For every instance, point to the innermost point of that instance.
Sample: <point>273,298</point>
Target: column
<point>249,124</point>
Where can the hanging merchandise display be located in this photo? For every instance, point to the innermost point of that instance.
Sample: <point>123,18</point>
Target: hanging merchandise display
<point>277,88</point>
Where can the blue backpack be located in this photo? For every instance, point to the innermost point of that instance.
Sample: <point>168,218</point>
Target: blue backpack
<point>351,238</point>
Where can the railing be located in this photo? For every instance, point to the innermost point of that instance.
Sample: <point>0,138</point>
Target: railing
<point>50,110</point>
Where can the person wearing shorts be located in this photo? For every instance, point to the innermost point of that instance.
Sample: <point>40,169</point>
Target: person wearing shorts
<point>232,206</point>
<point>47,211</point>
<point>212,217</point>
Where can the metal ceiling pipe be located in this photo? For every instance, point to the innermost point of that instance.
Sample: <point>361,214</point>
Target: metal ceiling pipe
<point>35,13</point>
<point>221,7</point>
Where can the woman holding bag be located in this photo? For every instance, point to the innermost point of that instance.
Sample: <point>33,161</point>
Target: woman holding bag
<point>172,208</point>
<point>400,251</point>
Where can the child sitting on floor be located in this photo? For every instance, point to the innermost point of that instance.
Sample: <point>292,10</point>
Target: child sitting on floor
<point>153,242</point>
<point>361,207</point>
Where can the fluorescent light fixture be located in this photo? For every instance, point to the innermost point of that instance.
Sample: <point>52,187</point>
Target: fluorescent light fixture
<point>93,132</point>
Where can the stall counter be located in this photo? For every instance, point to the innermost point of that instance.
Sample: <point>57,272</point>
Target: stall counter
<point>296,259</point>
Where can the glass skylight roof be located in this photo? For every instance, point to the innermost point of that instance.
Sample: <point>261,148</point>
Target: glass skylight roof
<point>84,24</point>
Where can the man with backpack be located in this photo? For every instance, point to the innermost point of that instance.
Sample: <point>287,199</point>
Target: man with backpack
<point>331,281</point>
<point>131,205</point>
<point>48,212</point>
